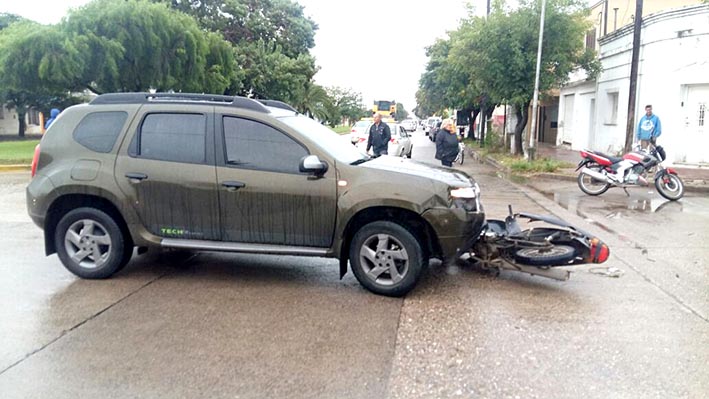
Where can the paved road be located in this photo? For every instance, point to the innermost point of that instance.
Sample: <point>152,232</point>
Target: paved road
<point>225,325</point>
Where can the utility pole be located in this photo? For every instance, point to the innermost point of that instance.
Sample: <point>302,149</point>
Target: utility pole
<point>533,132</point>
<point>630,128</point>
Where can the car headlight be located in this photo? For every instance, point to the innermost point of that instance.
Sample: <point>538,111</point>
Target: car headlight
<point>467,198</point>
<point>466,192</point>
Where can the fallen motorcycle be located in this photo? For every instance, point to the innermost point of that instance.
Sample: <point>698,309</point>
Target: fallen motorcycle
<point>599,172</point>
<point>540,251</point>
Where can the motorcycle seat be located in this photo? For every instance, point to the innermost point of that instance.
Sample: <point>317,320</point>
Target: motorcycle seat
<point>608,157</point>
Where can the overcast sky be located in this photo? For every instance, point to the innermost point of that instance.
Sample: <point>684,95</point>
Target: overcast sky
<point>375,47</point>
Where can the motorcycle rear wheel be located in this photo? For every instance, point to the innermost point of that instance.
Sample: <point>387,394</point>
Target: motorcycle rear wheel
<point>590,185</point>
<point>670,186</point>
<point>557,255</point>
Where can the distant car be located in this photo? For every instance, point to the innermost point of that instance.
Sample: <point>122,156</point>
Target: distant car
<point>400,144</point>
<point>434,129</point>
<point>431,124</point>
<point>409,124</point>
<point>359,130</point>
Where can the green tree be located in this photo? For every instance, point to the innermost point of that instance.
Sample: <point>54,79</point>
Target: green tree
<point>271,74</point>
<point>34,65</point>
<point>401,112</point>
<point>279,23</point>
<point>6,19</point>
<point>346,104</point>
<point>272,40</point>
<point>448,83</point>
<point>315,102</point>
<point>133,45</point>
<point>501,52</point>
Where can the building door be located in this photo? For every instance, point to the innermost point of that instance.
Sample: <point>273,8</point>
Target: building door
<point>568,131</point>
<point>695,138</point>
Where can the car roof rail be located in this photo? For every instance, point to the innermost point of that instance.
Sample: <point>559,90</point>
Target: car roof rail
<point>144,98</point>
<point>278,104</point>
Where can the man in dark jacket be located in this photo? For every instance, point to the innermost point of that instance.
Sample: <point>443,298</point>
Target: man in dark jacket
<point>379,136</point>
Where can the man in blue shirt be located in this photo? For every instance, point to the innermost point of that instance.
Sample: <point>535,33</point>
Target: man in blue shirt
<point>649,127</point>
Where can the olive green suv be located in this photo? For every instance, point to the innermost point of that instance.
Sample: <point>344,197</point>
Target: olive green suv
<point>221,173</point>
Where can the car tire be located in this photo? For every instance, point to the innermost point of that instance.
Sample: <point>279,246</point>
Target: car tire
<point>410,152</point>
<point>386,258</point>
<point>90,243</point>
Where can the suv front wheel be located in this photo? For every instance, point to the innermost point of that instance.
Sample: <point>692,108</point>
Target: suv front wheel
<point>386,258</point>
<point>90,244</point>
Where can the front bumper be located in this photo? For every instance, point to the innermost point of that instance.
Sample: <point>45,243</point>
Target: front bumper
<point>457,230</point>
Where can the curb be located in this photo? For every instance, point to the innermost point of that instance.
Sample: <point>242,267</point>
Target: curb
<point>15,168</point>
<point>693,186</point>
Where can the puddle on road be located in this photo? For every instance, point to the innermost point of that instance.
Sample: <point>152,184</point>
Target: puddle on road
<point>617,209</point>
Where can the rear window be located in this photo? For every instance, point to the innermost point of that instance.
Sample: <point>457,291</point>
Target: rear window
<point>98,131</point>
<point>362,124</point>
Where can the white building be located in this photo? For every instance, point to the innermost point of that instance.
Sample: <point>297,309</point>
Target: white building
<point>673,76</point>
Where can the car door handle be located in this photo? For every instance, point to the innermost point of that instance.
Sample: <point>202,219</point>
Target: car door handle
<point>136,177</point>
<point>233,185</point>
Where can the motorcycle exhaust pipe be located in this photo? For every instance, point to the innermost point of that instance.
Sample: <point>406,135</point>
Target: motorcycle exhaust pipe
<point>595,175</point>
<point>552,273</point>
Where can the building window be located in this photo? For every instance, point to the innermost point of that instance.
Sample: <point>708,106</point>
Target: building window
<point>612,114</point>
<point>701,113</point>
<point>591,39</point>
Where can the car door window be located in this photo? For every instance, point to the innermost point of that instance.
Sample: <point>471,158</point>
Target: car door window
<point>403,132</point>
<point>172,137</point>
<point>255,145</point>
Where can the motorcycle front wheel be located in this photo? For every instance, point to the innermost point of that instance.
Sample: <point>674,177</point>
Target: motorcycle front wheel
<point>591,185</point>
<point>670,186</point>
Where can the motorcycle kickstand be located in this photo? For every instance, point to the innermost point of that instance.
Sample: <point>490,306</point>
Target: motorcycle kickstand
<point>626,191</point>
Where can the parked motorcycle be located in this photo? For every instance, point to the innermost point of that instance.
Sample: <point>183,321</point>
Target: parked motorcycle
<point>539,251</point>
<point>599,172</point>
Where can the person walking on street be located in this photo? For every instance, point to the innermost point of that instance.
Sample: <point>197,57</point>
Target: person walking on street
<point>446,143</point>
<point>649,128</point>
<point>379,136</point>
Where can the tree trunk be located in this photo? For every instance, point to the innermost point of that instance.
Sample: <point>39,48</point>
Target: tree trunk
<point>483,112</point>
<point>471,129</point>
<point>522,114</point>
<point>21,113</point>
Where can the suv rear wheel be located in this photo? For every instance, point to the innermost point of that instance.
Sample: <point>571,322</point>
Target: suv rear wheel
<point>386,258</point>
<point>90,243</point>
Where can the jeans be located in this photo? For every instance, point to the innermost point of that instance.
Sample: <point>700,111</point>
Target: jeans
<point>446,163</point>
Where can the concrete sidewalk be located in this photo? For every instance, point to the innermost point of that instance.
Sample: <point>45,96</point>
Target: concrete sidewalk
<point>696,179</point>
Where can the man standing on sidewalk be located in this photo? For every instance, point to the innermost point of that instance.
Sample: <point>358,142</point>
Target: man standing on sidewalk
<point>649,128</point>
<point>379,136</point>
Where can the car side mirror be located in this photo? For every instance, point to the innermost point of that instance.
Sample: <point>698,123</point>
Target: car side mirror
<point>313,164</point>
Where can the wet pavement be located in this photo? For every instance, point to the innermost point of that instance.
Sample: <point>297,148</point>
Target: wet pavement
<point>174,325</point>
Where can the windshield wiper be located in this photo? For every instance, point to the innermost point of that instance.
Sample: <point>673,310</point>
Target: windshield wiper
<point>361,161</point>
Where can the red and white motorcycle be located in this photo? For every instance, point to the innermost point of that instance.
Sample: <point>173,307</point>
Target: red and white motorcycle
<point>599,172</point>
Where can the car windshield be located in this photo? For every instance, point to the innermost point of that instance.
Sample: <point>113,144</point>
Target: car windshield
<point>362,124</point>
<point>331,142</point>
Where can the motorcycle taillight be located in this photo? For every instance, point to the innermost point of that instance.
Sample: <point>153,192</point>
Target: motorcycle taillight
<point>599,251</point>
